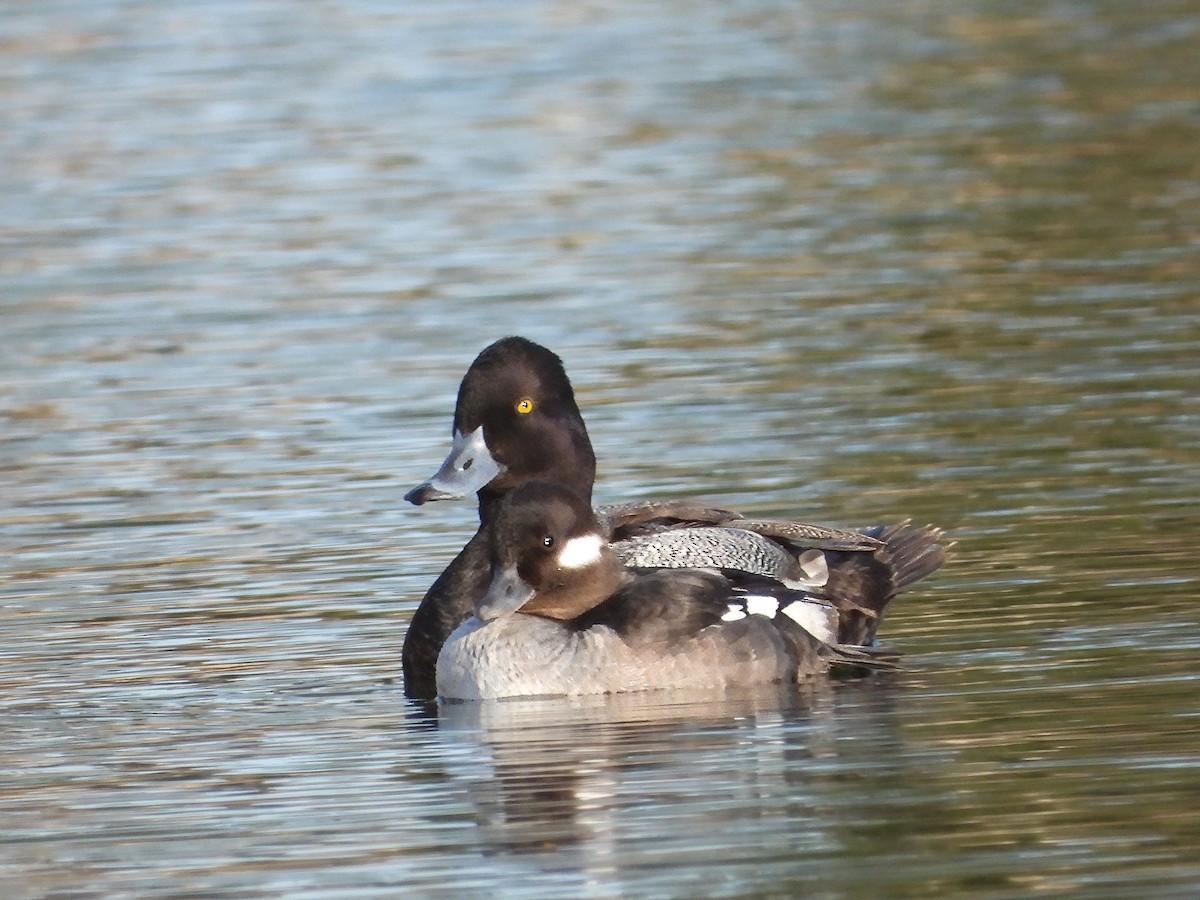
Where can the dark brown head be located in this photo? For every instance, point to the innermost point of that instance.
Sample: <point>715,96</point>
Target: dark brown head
<point>515,421</point>
<point>549,557</point>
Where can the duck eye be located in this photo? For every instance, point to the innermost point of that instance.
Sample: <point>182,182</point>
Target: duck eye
<point>548,541</point>
<point>524,406</point>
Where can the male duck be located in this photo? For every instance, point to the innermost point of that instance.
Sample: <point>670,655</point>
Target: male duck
<point>516,420</point>
<point>562,615</point>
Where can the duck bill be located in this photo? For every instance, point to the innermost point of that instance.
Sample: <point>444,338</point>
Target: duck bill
<point>505,595</point>
<point>467,469</point>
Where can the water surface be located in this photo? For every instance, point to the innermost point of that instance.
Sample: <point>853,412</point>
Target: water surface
<point>836,260</point>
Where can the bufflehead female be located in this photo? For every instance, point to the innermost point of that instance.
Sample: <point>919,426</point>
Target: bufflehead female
<point>563,615</point>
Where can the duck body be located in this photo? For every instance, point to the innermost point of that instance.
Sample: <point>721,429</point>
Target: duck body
<point>516,421</point>
<point>525,656</point>
<point>561,615</point>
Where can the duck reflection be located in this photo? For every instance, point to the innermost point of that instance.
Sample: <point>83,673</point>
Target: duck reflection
<point>555,773</point>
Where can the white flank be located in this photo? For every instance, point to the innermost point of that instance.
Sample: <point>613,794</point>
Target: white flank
<point>762,606</point>
<point>580,552</point>
<point>818,619</point>
<point>734,613</point>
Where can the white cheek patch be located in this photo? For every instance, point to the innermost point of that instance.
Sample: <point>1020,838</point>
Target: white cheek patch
<point>762,606</point>
<point>579,552</point>
<point>734,613</point>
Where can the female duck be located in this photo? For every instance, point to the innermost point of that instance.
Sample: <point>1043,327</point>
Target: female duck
<point>562,615</point>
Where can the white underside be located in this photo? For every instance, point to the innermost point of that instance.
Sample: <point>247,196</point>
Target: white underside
<point>526,656</point>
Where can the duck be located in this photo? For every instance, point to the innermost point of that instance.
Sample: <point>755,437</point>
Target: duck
<point>516,420</point>
<point>563,615</point>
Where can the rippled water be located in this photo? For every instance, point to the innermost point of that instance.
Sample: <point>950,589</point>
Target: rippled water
<point>844,260</point>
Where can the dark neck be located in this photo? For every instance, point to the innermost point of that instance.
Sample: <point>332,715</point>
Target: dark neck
<point>578,481</point>
<point>445,606</point>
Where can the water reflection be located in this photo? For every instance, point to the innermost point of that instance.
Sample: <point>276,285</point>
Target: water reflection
<point>609,786</point>
<point>845,259</point>
<point>553,773</point>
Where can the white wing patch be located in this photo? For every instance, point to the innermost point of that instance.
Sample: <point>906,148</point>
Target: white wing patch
<point>815,567</point>
<point>762,606</point>
<point>751,605</point>
<point>580,552</point>
<point>817,618</point>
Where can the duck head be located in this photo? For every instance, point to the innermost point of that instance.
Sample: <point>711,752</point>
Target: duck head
<point>515,421</point>
<point>548,556</point>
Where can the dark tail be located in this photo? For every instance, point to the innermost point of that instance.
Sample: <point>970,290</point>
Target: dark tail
<point>850,659</point>
<point>861,585</point>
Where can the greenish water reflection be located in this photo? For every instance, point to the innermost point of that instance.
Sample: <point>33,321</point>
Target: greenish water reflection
<point>840,260</point>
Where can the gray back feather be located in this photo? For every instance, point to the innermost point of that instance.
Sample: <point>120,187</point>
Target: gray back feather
<point>724,548</point>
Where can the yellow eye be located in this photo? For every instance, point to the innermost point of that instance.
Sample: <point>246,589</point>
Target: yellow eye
<point>524,406</point>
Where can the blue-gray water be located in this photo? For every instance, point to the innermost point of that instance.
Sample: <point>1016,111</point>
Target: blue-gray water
<point>842,260</point>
